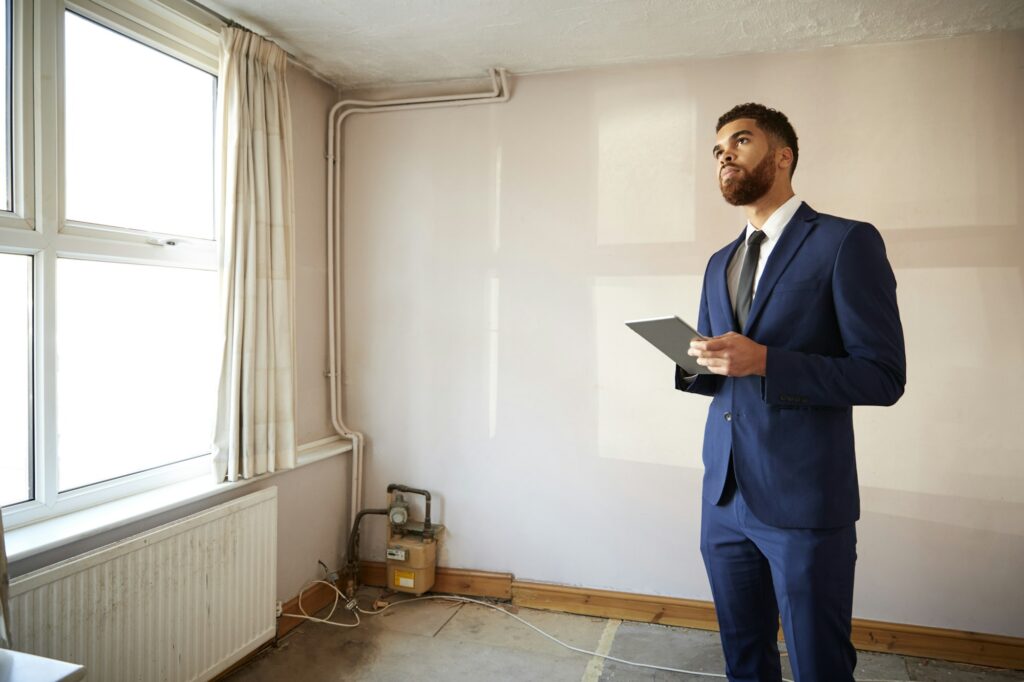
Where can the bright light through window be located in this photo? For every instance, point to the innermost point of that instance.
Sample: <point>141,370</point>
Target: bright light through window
<point>15,369</point>
<point>137,365</point>
<point>139,135</point>
<point>5,103</point>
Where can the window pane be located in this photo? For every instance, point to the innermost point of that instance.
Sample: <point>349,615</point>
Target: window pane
<point>5,104</point>
<point>16,370</point>
<point>139,134</point>
<point>137,363</point>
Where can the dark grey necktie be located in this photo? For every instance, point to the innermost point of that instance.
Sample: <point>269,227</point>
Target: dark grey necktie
<point>745,290</point>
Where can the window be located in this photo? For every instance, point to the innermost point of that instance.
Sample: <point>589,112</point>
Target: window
<point>16,370</point>
<point>136,368</point>
<point>138,134</point>
<point>5,102</point>
<point>108,319</point>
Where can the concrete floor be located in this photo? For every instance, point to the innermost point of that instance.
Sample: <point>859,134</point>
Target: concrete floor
<point>455,642</point>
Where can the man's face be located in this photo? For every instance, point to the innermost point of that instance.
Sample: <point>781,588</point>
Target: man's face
<point>745,159</point>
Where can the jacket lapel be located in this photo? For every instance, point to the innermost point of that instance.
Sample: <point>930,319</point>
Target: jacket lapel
<point>722,276</point>
<point>792,238</point>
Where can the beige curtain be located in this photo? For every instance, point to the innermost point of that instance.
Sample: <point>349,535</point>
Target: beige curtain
<point>5,615</point>
<point>255,430</point>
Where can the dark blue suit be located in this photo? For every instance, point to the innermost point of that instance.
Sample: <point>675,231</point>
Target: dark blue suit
<point>780,479</point>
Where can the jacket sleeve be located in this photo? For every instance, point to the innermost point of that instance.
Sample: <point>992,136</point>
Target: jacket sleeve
<point>705,384</point>
<point>873,371</point>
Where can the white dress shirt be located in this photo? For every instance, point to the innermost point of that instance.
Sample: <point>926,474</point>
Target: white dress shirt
<point>772,229</point>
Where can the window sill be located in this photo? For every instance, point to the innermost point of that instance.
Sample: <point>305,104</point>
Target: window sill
<point>35,538</point>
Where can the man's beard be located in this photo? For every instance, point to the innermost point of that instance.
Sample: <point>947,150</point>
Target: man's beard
<point>745,188</point>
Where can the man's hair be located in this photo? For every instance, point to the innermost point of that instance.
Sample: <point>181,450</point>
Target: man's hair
<point>771,121</point>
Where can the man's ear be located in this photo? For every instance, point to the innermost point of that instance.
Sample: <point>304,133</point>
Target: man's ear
<point>784,157</point>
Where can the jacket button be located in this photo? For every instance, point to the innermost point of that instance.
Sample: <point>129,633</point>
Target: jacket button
<point>728,416</point>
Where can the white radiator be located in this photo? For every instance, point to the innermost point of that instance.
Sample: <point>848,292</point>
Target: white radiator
<point>184,601</point>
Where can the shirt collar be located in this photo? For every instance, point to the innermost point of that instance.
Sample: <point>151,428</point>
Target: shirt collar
<point>772,227</point>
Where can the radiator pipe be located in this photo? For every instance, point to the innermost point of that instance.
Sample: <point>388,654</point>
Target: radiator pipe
<point>499,92</point>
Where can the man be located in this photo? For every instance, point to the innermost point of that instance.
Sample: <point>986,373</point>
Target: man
<point>803,324</point>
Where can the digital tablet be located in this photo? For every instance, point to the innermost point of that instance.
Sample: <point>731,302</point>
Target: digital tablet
<point>672,337</point>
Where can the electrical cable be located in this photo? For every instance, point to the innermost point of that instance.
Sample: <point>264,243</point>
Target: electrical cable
<point>551,637</point>
<point>327,621</point>
<point>356,609</point>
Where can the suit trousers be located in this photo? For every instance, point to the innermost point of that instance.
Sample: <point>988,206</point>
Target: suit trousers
<point>758,571</point>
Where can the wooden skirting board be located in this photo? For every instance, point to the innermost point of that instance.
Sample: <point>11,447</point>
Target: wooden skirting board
<point>868,635</point>
<point>315,598</point>
<point>950,645</point>
<point>622,605</point>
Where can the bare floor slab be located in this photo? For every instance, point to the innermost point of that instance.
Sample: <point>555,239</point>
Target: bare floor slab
<point>433,639</point>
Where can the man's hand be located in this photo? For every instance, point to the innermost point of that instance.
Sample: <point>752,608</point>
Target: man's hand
<point>731,355</point>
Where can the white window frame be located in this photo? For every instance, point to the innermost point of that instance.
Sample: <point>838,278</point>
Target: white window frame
<point>37,227</point>
<point>15,225</point>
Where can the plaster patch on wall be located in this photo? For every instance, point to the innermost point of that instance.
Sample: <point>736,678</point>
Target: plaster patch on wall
<point>645,164</point>
<point>957,430</point>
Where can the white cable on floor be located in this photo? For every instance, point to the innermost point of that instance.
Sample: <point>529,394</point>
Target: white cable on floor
<point>327,620</point>
<point>528,624</point>
<point>553,639</point>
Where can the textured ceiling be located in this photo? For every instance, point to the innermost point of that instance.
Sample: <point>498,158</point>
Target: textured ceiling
<point>366,43</point>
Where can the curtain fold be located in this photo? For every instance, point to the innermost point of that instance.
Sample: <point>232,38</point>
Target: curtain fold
<point>255,431</point>
<point>5,614</point>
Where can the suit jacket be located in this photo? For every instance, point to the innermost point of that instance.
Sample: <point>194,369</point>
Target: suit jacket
<point>826,309</point>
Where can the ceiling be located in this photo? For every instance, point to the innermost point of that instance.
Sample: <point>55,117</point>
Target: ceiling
<point>369,43</point>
